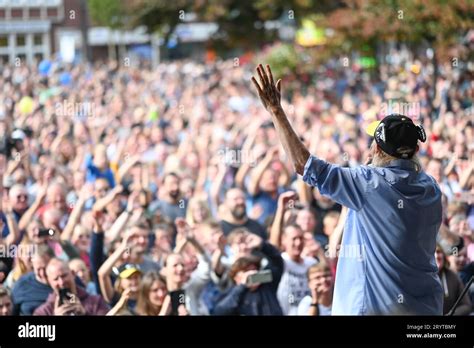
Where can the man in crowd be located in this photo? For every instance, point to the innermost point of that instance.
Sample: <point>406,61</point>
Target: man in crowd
<point>170,204</point>
<point>32,289</point>
<point>67,298</point>
<point>235,214</point>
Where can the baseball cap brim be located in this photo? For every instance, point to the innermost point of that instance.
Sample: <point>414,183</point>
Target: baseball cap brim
<point>370,130</point>
<point>126,273</point>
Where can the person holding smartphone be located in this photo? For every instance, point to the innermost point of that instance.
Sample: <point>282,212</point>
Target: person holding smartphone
<point>68,298</point>
<point>175,275</point>
<point>255,288</point>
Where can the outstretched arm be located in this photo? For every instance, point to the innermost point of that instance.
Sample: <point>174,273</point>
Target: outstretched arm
<point>346,186</point>
<point>259,169</point>
<point>270,95</point>
<point>277,226</point>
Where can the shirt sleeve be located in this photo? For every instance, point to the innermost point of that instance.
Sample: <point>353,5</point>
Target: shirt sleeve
<point>346,186</point>
<point>230,303</point>
<point>275,262</point>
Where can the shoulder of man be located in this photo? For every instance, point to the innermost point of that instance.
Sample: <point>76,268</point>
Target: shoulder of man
<point>47,308</point>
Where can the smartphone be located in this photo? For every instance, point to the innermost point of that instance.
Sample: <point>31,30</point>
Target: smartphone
<point>261,277</point>
<point>177,298</point>
<point>45,232</point>
<point>65,296</point>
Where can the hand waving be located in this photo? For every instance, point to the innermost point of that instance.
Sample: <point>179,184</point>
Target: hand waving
<point>268,91</point>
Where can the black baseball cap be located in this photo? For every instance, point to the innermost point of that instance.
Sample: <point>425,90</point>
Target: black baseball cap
<point>396,134</point>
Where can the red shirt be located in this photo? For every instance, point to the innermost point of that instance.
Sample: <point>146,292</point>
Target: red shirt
<point>94,305</point>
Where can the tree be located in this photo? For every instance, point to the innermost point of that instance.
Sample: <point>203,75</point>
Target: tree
<point>437,22</point>
<point>240,23</point>
<point>110,13</point>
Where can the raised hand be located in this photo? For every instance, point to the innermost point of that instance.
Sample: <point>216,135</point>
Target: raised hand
<point>286,197</point>
<point>182,226</point>
<point>253,241</point>
<point>132,199</point>
<point>42,191</point>
<point>268,91</point>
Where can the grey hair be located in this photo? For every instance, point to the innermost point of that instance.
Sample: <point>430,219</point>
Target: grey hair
<point>381,158</point>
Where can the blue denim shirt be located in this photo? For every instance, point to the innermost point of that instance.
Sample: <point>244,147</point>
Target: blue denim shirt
<point>386,261</point>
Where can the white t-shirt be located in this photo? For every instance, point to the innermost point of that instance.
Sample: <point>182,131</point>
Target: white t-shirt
<point>293,284</point>
<point>305,304</point>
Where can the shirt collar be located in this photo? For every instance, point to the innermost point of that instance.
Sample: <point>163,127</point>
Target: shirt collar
<point>402,164</point>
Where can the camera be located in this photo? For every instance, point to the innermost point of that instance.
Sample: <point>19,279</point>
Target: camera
<point>12,142</point>
<point>261,277</point>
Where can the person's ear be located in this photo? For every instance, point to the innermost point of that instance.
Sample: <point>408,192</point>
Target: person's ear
<point>417,148</point>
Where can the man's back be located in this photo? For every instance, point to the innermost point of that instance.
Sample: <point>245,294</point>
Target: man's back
<point>386,261</point>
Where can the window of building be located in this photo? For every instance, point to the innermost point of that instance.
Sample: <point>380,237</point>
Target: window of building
<point>52,13</point>
<point>35,13</point>
<point>3,41</point>
<point>20,40</point>
<point>17,13</point>
<point>37,39</point>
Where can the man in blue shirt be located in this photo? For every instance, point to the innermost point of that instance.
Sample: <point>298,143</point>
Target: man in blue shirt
<point>386,263</point>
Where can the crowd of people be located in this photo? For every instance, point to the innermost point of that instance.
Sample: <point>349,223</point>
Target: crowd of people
<point>138,191</point>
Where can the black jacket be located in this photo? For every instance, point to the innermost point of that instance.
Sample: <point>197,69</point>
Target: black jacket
<point>239,300</point>
<point>453,287</point>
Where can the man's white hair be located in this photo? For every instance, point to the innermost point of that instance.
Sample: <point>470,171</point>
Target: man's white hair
<point>381,158</point>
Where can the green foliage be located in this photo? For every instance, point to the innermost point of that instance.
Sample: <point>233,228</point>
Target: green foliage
<point>440,23</point>
<point>355,22</point>
<point>106,12</point>
<point>283,58</point>
<point>240,21</point>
